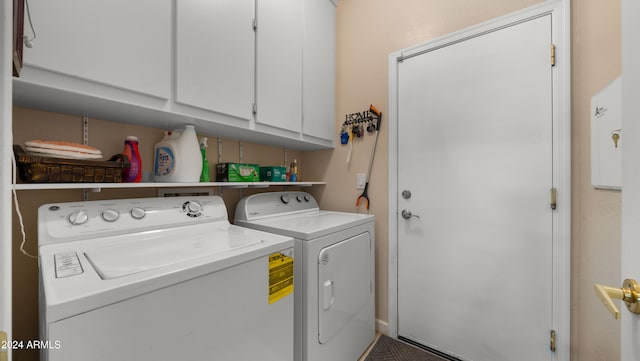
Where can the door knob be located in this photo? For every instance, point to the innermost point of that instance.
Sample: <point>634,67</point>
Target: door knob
<point>407,214</point>
<point>629,293</point>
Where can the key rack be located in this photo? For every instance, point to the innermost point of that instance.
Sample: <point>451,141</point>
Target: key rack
<point>355,120</point>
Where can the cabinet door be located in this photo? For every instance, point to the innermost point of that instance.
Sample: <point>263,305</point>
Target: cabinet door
<point>319,69</point>
<point>215,55</point>
<point>119,43</point>
<point>279,64</point>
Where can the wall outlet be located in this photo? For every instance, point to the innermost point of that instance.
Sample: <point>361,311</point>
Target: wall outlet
<point>361,179</point>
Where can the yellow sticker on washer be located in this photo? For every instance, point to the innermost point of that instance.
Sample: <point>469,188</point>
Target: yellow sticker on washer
<point>280,276</point>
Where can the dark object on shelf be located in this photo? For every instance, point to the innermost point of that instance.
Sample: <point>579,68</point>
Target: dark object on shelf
<point>41,169</point>
<point>18,32</point>
<point>273,174</point>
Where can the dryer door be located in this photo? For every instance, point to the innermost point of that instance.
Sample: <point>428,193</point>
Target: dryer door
<point>344,285</point>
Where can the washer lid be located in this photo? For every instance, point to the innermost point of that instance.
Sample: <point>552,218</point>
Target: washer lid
<point>309,225</point>
<point>125,266</point>
<point>156,251</point>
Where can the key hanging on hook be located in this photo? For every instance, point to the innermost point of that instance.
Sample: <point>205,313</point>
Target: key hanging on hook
<point>615,136</point>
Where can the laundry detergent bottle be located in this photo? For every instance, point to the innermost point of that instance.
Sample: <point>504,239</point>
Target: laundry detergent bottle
<point>133,173</point>
<point>177,157</point>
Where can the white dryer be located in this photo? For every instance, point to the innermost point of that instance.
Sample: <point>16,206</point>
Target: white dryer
<point>334,272</point>
<point>161,279</point>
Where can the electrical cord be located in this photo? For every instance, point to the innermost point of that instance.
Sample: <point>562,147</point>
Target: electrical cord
<point>29,42</point>
<point>15,200</point>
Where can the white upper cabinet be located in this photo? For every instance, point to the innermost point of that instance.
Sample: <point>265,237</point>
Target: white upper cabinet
<point>279,64</point>
<point>215,54</point>
<point>122,44</point>
<point>319,69</point>
<point>258,71</point>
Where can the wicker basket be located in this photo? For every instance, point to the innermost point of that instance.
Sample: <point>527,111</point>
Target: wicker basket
<point>41,169</point>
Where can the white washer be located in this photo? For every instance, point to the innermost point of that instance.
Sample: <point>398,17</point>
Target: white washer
<point>161,279</point>
<point>334,272</point>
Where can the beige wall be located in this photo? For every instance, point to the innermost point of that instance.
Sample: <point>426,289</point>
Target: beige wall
<point>368,30</point>
<point>596,54</point>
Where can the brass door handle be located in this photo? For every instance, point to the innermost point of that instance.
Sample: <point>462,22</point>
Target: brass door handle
<point>629,293</point>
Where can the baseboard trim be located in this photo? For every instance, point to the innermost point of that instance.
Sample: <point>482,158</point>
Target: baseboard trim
<point>382,326</point>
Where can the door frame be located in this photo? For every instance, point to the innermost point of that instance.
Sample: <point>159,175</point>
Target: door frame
<point>629,330</point>
<point>6,154</point>
<point>561,29</point>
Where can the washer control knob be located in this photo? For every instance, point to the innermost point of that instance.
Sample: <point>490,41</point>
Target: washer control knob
<point>284,199</point>
<point>78,217</point>
<point>193,209</point>
<point>306,198</point>
<point>137,213</point>
<point>110,215</point>
<point>299,198</point>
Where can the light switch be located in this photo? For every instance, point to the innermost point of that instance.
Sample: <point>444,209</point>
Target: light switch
<point>361,179</point>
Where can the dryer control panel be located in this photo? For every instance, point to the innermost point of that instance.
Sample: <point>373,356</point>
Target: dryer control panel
<point>61,222</point>
<point>274,203</point>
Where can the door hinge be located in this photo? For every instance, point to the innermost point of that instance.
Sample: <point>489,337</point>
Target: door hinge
<point>254,24</point>
<point>554,198</point>
<point>552,341</point>
<point>254,108</point>
<point>553,55</point>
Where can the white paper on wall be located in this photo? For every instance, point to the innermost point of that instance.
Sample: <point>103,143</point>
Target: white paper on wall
<point>607,136</point>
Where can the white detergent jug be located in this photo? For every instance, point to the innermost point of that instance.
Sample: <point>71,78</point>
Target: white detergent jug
<point>177,157</point>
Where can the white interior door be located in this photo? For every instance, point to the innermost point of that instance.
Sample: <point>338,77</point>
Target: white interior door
<point>475,262</point>
<point>630,334</point>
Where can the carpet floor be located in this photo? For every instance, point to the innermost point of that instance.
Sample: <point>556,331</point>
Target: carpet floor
<point>389,349</point>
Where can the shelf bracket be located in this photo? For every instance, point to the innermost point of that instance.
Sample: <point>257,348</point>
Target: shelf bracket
<point>85,141</point>
<point>85,130</point>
